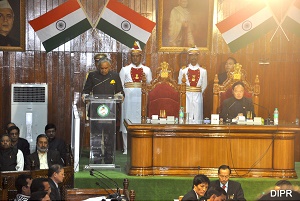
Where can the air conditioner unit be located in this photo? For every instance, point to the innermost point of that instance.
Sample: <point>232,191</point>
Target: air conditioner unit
<point>29,110</point>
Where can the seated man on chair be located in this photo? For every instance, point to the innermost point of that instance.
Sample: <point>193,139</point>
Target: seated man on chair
<point>233,189</point>
<point>43,158</point>
<point>238,105</point>
<point>200,186</point>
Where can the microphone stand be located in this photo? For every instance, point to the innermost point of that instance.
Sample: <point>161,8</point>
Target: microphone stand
<point>117,194</point>
<point>267,120</point>
<point>100,83</point>
<point>99,177</point>
<point>228,121</point>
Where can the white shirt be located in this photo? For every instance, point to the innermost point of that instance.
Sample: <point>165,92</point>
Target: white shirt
<point>20,161</point>
<point>226,188</point>
<point>43,160</point>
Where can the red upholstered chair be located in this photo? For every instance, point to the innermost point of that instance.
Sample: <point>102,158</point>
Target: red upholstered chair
<point>224,91</point>
<point>163,93</point>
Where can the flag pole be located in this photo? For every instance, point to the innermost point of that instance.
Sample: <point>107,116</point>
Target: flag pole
<point>282,20</point>
<point>84,12</point>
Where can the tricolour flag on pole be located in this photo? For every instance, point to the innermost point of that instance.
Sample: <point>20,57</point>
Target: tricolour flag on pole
<point>124,24</point>
<point>292,20</point>
<point>61,24</point>
<point>246,25</point>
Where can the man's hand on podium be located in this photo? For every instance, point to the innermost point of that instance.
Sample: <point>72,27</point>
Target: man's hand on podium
<point>119,96</point>
<point>83,97</point>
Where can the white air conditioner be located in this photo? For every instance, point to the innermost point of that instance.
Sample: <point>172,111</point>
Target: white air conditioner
<point>29,110</point>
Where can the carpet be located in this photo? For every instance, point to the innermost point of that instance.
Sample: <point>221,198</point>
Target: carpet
<point>163,188</point>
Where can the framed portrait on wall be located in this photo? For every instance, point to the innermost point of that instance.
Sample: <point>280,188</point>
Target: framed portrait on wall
<point>12,25</point>
<point>183,24</point>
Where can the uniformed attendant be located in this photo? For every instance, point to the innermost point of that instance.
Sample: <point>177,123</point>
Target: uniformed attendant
<point>131,77</point>
<point>196,83</point>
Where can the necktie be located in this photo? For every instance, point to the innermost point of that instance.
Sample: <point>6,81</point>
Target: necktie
<point>224,187</point>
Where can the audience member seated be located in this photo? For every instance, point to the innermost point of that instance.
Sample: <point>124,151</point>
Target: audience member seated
<point>17,141</point>
<point>40,184</point>
<point>43,158</point>
<point>54,142</point>
<point>234,189</point>
<point>238,105</point>
<point>11,159</point>
<point>289,192</point>
<point>22,184</point>
<point>228,68</point>
<point>40,195</point>
<point>200,186</point>
<point>216,194</point>
<point>56,176</point>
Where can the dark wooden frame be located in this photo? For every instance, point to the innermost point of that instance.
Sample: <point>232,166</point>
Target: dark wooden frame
<point>18,29</point>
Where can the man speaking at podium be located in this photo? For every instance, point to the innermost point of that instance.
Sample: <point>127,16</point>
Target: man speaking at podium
<point>238,105</point>
<point>103,80</point>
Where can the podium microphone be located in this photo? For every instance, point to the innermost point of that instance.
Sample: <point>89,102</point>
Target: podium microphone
<point>267,120</point>
<point>100,83</point>
<point>227,119</point>
<point>100,177</point>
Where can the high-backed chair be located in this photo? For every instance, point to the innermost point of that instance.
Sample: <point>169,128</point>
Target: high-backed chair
<point>224,91</point>
<point>163,93</point>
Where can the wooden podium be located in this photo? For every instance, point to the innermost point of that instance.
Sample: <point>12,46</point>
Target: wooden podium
<point>190,149</point>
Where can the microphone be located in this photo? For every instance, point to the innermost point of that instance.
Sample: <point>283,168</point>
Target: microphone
<point>100,82</point>
<point>267,120</point>
<point>97,183</point>
<point>227,119</point>
<point>99,175</point>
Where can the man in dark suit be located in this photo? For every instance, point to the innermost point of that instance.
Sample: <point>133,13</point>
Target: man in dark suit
<point>238,104</point>
<point>54,142</point>
<point>234,189</point>
<point>42,158</point>
<point>200,186</point>
<point>56,176</point>
<point>17,141</point>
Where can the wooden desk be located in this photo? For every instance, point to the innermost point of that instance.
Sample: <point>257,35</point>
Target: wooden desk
<point>251,151</point>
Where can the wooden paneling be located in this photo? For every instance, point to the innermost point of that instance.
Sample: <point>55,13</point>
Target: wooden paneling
<point>64,69</point>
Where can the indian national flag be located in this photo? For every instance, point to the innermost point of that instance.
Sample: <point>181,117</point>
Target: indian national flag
<point>124,24</point>
<point>292,20</point>
<point>246,25</point>
<point>61,24</point>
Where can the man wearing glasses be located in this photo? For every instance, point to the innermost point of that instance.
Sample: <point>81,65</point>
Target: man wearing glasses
<point>234,189</point>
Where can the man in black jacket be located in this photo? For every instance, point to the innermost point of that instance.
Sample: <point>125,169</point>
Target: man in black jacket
<point>234,189</point>
<point>42,158</point>
<point>54,142</point>
<point>11,159</point>
<point>103,81</point>
<point>56,176</point>
<point>238,104</point>
<point>200,186</point>
<point>17,141</point>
